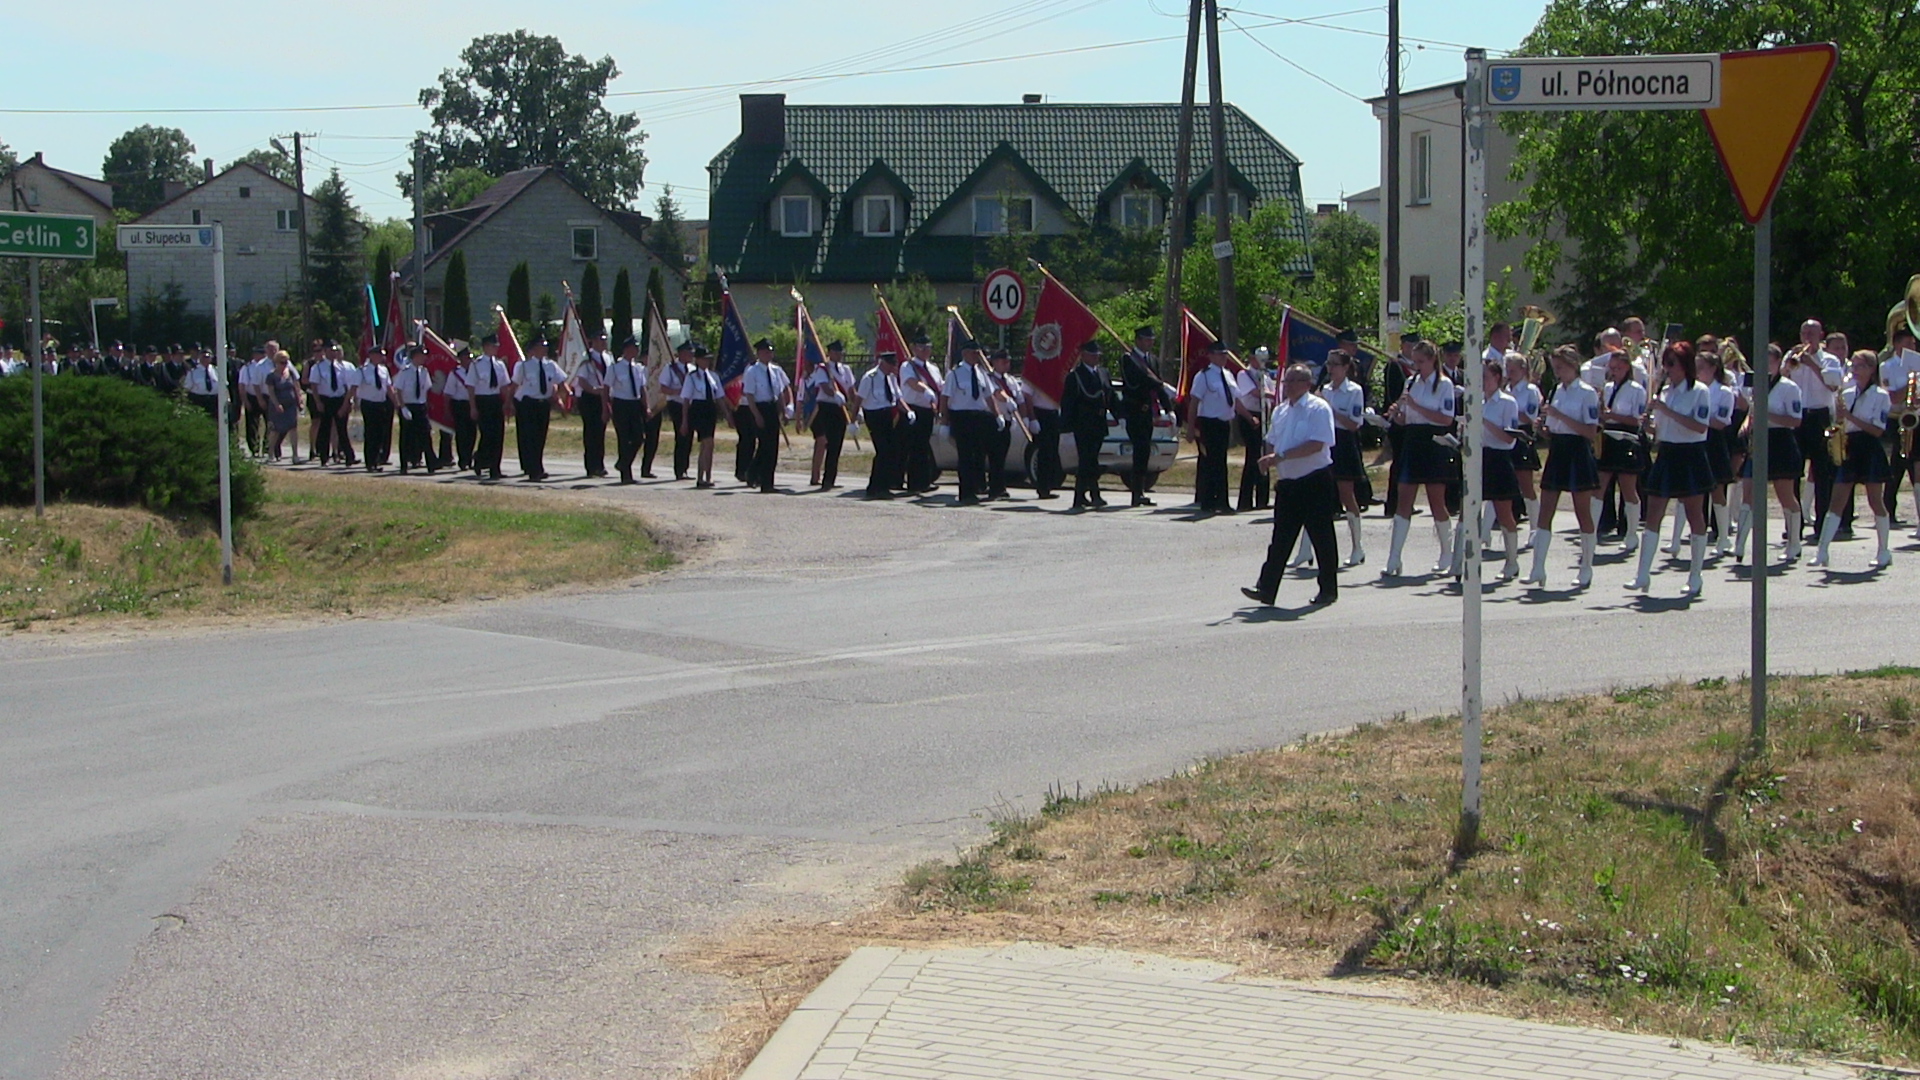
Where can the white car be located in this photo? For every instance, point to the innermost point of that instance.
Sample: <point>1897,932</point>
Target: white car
<point>1116,452</point>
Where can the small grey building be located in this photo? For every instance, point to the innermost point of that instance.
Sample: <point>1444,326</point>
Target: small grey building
<point>536,216</point>
<point>260,215</point>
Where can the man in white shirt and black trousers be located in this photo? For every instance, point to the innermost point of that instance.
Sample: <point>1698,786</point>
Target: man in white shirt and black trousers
<point>412,385</point>
<point>627,395</point>
<point>374,389</point>
<point>488,380</point>
<point>536,381</point>
<point>589,385</point>
<point>1210,425</point>
<point>765,395</point>
<point>1300,454</point>
<point>673,376</point>
<point>879,397</point>
<point>967,402</point>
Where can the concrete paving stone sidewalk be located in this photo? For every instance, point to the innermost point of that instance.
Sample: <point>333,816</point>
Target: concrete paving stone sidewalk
<point>1031,1012</point>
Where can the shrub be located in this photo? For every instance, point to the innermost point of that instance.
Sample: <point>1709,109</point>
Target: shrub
<point>114,442</point>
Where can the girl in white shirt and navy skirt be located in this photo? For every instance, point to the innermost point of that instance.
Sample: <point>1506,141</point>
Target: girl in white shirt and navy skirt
<point>1427,410</point>
<point>1784,461</point>
<point>1349,403</point>
<point>1499,485</point>
<point>1526,455</point>
<point>1572,419</point>
<point>1622,458</point>
<point>1866,408</point>
<point>1682,415</point>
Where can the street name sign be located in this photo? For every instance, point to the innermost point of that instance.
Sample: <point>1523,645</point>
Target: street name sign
<point>48,236</point>
<point>1567,83</point>
<point>164,237</point>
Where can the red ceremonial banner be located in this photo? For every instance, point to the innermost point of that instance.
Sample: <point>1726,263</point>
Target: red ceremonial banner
<point>509,347</point>
<point>887,337</point>
<point>439,359</point>
<point>1061,324</point>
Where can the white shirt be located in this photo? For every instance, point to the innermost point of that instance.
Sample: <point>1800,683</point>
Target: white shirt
<point>763,383</point>
<point>1694,402</point>
<point>878,391</point>
<point>1725,399</point>
<point>374,382</point>
<point>701,385</point>
<point>1434,395</point>
<point>1628,400</point>
<point>1527,396</point>
<point>455,385</point>
<point>254,373</point>
<point>331,378</point>
<point>1894,373</point>
<point>1594,372</point>
<point>1503,413</point>
<point>1577,401</point>
<point>672,377</point>
<point>202,380</point>
<point>591,375</point>
<point>1348,402</point>
<point>926,371</point>
<point>1296,423</point>
<point>1871,409</point>
<point>1250,389</point>
<point>1212,392</point>
<point>1818,375</point>
<point>829,383</point>
<point>967,389</point>
<point>627,380</point>
<point>1786,400</point>
<point>414,382</point>
<point>487,375</point>
<point>537,377</point>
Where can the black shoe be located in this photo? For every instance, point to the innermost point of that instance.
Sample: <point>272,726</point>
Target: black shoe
<point>878,496</point>
<point>628,479</point>
<point>1080,504</point>
<point>1142,500</point>
<point>703,483</point>
<point>649,476</point>
<point>1226,510</point>
<point>1098,502</point>
<point>1048,495</point>
<point>1323,599</point>
<point>1254,595</point>
<point>968,500</point>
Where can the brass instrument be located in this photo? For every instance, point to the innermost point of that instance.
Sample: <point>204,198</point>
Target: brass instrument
<point>1906,313</point>
<point>1910,416</point>
<point>1533,320</point>
<point>1837,439</point>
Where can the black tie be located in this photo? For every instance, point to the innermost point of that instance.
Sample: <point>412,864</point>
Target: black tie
<point>333,379</point>
<point>633,386</point>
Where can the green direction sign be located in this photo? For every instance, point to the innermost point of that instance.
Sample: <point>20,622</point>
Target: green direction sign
<point>48,236</point>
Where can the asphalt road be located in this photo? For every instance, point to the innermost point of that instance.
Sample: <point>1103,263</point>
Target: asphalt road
<point>458,844</point>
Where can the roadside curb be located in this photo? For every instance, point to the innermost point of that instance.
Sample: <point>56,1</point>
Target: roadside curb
<point>797,1040</point>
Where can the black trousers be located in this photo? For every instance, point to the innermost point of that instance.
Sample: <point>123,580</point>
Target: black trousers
<point>492,430</point>
<point>376,422</point>
<point>1309,503</point>
<point>531,417</point>
<point>416,439</point>
<point>1086,470</point>
<point>970,429</point>
<point>766,446</point>
<point>917,450</point>
<point>1253,482</point>
<point>1210,476</point>
<point>1140,437</point>
<point>593,433</point>
<point>999,444</point>
<point>464,431</point>
<point>343,446</point>
<point>682,445</point>
<point>256,417</point>
<point>830,423</point>
<point>886,451</point>
<point>207,403</point>
<point>747,424</point>
<point>1047,473</point>
<point>331,425</point>
<point>629,431</point>
<point>1812,435</point>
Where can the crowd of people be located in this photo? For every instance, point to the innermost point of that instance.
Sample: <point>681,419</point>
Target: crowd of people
<point>1624,436</point>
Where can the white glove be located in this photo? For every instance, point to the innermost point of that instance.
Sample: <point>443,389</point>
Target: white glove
<point>788,413</point>
<point>1449,440</point>
<point>1374,418</point>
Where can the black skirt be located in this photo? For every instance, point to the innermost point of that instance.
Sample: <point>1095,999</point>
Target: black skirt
<point>1498,483</point>
<point>1526,455</point>
<point>1866,461</point>
<point>1783,456</point>
<point>701,415</point>
<point>1681,471</point>
<point>1720,454</point>
<point>1622,455</point>
<point>1737,439</point>
<point>1347,464</point>
<point>1570,465</point>
<point>1423,461</point>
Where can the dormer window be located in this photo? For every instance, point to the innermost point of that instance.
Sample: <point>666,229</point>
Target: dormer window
<point>1236,205</point>
<point>1136,210</point>
<point>796,215</point>
<point>994,215</point>
<point>877,215</point>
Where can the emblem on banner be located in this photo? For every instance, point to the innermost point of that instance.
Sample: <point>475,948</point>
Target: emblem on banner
<point>1046,341</point>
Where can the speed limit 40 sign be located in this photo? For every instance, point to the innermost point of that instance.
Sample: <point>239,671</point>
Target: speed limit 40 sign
<point>1004,296</point>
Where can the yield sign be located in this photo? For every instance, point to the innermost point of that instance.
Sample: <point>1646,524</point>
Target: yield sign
<point>1766,98</point>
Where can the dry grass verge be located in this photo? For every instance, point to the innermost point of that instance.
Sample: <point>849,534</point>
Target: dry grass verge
<point>334,545</point>
<point>1636,872</point>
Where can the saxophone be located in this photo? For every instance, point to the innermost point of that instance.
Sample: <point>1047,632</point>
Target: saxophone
<point>1837,439</point>
<point>1910,415</point>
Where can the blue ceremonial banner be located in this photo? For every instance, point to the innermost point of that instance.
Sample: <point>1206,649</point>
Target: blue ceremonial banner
<point>1306,339</point>
<point>735,351</point>
<point>808,355</point>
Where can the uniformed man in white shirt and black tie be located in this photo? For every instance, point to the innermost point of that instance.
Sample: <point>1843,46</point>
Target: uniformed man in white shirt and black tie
<point>967,404</point>
<point>920,382</point>
<point>456,450</point>
<point>703,397</point>
<point>627,397</point>
<point>487,379</point>
<point>1305,497</point>
<point>765,395</point>
<point>411,387</point>
<point>332,379</point>
<point>203,386</point>
<point>1210,424</point>
<point>673,377</point>
<point>879,394</point>
<point>589,386</point>
<point>536,381</point>
<point>374,389</point>
<point>828,387</point>
<point>253,395</point>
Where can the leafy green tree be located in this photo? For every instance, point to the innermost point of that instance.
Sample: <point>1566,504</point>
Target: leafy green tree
<point>657,289</point>
<point>520,294</point>
<point>271,161</point>
<point>667,236</point>
<point>382,276</point>
<point>335,253</point>
<point>622,309</point>
<point>1346,271</point>
<point>395,235</point>
<point>518,100</point>
<point>786,338</point>
<point>545,310</point>
<point>8,159</point>
<point>456,188</point>
<point>1632,207</point>
<point>456,309</point>
<point>916,306</point>
<point>140,163</point>
<point>592,312</point>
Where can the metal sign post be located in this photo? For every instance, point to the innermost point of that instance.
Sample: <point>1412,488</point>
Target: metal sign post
<point>39,415</point>
<point>1467,837</point>
<point>36,237</point>
<point>207,238</point>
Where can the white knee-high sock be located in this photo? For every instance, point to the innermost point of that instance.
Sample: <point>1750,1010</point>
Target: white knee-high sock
<point>1883,528</point>
<point>1400,527</point>
<point>1588,541</point>
<point>1829,528</point>
<point>1443,535</point>
<point>1353,535</point>
<point>1542,539</point>
<point>1698,556</point>
<point>1630,522</point>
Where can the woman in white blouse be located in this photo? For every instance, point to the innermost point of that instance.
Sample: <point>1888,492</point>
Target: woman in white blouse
<point>1349,403</point>
<point>1865,408</point>
<point>1427,410</point>
<point>1784,463</point>
<point>1682,415</point>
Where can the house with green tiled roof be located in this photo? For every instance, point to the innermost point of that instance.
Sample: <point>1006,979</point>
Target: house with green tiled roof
<point>847,196</point>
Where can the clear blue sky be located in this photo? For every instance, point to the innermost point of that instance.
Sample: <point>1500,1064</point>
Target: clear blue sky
<point>121,56</point>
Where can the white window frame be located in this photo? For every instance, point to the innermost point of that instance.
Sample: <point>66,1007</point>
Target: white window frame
<point>999,210</point>
<point>868,203</point>
<point>1419,292</point>
<point>286,220</point>
<point>1136,199</point>
<point>574,229</point>
<point>1420,174</point>
<point>1236,204</point>
<point>786,222</point>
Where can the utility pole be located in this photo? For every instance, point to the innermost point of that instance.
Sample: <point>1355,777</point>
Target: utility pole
<point>1390,192</point>
<point>300,214</point>
<point>1173,328</point>
<point>420,231</point>
<point>1222,211</point>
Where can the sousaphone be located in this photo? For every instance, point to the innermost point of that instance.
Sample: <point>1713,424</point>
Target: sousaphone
<point>1906,313</point>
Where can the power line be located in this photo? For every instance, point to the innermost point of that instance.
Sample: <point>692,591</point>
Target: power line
<point>1291,63</point>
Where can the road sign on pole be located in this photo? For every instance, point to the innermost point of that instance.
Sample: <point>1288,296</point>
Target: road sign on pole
<point>1637,83</point>
<point>1004,296</point>
<point>1769,96</point>
<point>166,237</point>
<point>48,236</point>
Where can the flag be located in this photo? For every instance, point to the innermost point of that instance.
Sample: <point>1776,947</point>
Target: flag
<point>370,328</point>
<point>440,361</point>
<point>1309,340</point>
<point>396,328</point>
<point>659,352</point>
<point>735,352</point>
<point>1194,339</point>
<point>1061,324</point>
<point>573,340</point>
<point>886,332</point>
<point>807,353</point>
<point>956,333</point>
<point>509,347</point>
